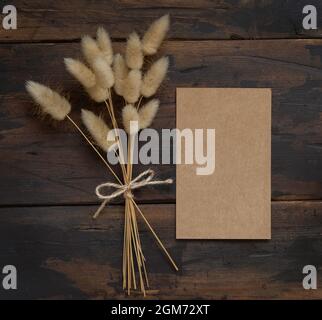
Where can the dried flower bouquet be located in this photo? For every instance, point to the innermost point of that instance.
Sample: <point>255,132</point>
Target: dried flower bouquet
<point>102,74</point>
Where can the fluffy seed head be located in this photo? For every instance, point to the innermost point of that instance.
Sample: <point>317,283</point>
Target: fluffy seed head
<point>97,128</point>
<point>130,114</point>
<point>120,72</point>
<point>97,93</point>
<point>50,101</point>
<point>134,54</point>
<point>155,35</point>
<point>90,49</point>
<point>154,76</point>
<point>148,112</point>
<point>83,74</point>
<point>131,86</point>
<point>103,72</point>
<point>104,43</point>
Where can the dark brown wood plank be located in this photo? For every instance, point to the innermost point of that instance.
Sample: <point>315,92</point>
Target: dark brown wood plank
<point>60,252</point>
<point>224,19</point>
<point>45,165</point>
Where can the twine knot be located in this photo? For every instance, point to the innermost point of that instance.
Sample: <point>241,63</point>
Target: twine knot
<point>143,179</point>
<point>128,194</point>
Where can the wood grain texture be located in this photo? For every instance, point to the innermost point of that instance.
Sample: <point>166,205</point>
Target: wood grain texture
<point>61,253</point>
<point>44,165</point>
<point>205,19</point>
<point>48,174</point>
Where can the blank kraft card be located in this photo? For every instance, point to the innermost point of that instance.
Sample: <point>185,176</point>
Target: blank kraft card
<point>234,202</point>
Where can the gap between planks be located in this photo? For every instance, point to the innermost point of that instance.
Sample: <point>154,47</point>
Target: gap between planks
<point>121,40</point>
<point>90,204</point>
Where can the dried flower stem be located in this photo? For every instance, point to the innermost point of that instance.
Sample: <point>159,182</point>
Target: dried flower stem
<point>132,244</point>
<point>130,211</point>
<point>136,230</point>
<point>155,235</point>
<point>139,102</point>
<point>94,148</point>
<point>110,109</point>
<point>102,72</point>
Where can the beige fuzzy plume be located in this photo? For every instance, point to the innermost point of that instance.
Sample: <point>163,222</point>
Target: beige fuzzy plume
<point>155,35</point>
<point>104,42</point>
<point>98,93</point>
<point>154,76</point>
<point>148,112</point>
<point>97,128</point>
<point>134,55</point>
<point>83,74</point>
<point>120,72</point>
<point>131,86</point>
<point>50,101</point>
<point>103,72</point>
<point>90,49</point>
<point>130,113</point>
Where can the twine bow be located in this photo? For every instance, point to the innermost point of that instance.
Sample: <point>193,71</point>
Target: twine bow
<point>143,179</point>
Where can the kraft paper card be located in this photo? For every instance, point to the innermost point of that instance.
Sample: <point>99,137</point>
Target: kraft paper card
<point>233,201</point>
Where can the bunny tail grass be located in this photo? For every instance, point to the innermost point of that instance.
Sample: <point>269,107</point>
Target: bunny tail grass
<point>49,100</point>
<point>148,112</point>
<point>120,73</point>
<point>97,93</point>
<point>97,128</point>
<point>83,74</point>
<point>131,86</point>
<point>155,35</point>
<point>134,54</point>
<point>154,76</point>
<point>104,43</point>
<point>90,49</point>
<point>130,114</point>
<point>103,72</point>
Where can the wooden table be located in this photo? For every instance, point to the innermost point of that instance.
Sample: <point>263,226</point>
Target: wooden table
<point>48,174</point>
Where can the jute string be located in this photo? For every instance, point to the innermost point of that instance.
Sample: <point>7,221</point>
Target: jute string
<point>143,179</point>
